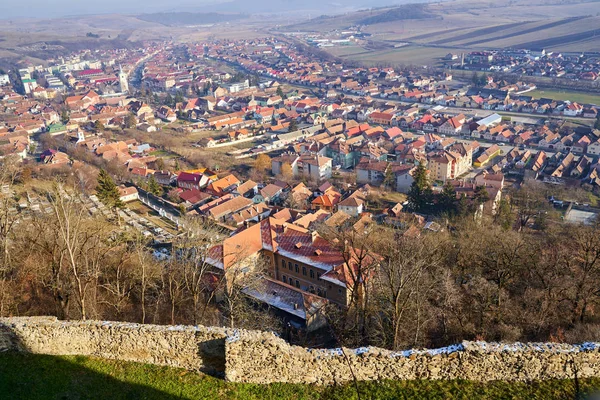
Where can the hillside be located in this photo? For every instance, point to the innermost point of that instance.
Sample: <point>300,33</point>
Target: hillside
<point>422,33</point>
<point>28,376</point>
<point>186,18</point>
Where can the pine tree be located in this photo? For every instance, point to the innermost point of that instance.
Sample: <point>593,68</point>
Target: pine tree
<point>420,194</point>
<point>107,191</point>
<point>280,92</point>
<point>481,195</point>
<point>153,186</point>
<point>293,125</point>
<point>389,178</point>
<point>447,199</point>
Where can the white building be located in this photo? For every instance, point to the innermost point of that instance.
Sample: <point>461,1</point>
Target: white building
<point>4,80</point>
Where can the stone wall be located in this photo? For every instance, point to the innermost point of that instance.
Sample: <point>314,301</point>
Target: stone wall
<point>197,348</point>
<point>262,357</point>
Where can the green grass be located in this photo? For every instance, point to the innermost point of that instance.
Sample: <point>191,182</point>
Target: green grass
<point>583,98</point>
<point>28,376</point>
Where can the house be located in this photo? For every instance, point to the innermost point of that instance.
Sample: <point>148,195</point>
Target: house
<point>404,177</point>
<point>315,167</point>
<point>224,185</point>
<point>194,197</point>
<point>371,171</point>
<point>271,192</point>
<point>195,179</point>
<point>381,118</point>
<point>165,178</point>
<point>352,205</point>
<point>127,194</point>
<point>452,126</point>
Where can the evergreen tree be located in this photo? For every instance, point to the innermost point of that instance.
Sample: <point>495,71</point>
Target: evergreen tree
<point>107,191</point>
<point>389,178</point>
<point>98,126</point>
<point>169,100</point>
<point>447,199</point>
<point>481,195</point>
<point>280,92</point>
<point>503,216</point>
<point>153,186</point>
<point>64,116</point>
<point>420,194</point>
<point>178,97</point>
<point>293,125</point>
<point>462,208</point>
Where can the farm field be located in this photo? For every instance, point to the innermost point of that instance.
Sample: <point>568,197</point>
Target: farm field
<point>583,98</point>
<point>419,55</point>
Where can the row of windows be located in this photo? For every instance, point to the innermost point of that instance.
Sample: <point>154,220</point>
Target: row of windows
<point>311,289</point>
<point>297,269</point>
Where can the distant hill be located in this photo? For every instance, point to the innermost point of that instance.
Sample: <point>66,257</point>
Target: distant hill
<point>189,18</point>
<point>409,11</point>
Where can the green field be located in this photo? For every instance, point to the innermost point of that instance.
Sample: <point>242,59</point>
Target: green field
<point>27,376</point>
<point>583,98</point>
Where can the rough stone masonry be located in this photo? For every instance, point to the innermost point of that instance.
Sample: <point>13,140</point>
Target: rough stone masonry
<point>262,357</point>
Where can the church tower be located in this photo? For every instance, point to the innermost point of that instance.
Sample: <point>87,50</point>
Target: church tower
<point>123,81</point>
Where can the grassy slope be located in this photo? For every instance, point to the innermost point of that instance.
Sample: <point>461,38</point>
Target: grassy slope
<point>26,376</point>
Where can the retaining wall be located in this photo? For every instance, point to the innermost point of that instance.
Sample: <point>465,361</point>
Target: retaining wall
<point>262,357</point>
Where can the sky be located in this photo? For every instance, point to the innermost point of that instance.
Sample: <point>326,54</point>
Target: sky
<point>58,8</point>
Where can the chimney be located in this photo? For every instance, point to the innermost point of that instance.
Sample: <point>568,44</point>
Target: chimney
<point>314,236</point>
<point>295,306</point>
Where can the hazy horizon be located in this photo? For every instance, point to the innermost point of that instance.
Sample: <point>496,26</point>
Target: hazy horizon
<point>68,8</point>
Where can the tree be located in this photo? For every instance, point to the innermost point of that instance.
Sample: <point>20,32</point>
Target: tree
<point>447,199</point>
<point>286,171</point>
<point>293,125</point>
<point>481,195</point>
<point>169,100</point>
<point>389,178</point>
<point>153,186</point>
<point>107,191</point>
<point>98,126</point>
<point>529,201</point>
<point>64,116</point>
<point>130,121</point>
<point>503,216</point>
<point>280,92</point>
<point>262,163</point>
<point>420,194</point>
<point>406,278</point>
<point>178,97</point>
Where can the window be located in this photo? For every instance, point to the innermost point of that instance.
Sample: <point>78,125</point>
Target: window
<point>282,263</point>
<point>304,271</point>
<point>290,265</point>
<point>339,291</point>
<point>296,267</point>
<point>318,275</point>
<point>312,274</point>
<point>312,289</point>
<point>319,292</point>
<point>297,283</point>
<point>284,279</point>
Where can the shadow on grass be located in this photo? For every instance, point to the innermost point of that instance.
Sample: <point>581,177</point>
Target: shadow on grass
<point>25,375</point>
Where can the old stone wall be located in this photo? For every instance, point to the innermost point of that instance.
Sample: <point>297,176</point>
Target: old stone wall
<point>262,357</point>
<point>196,348</point>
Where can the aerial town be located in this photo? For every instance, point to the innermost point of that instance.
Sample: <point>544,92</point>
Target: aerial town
<point>263,183</point>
